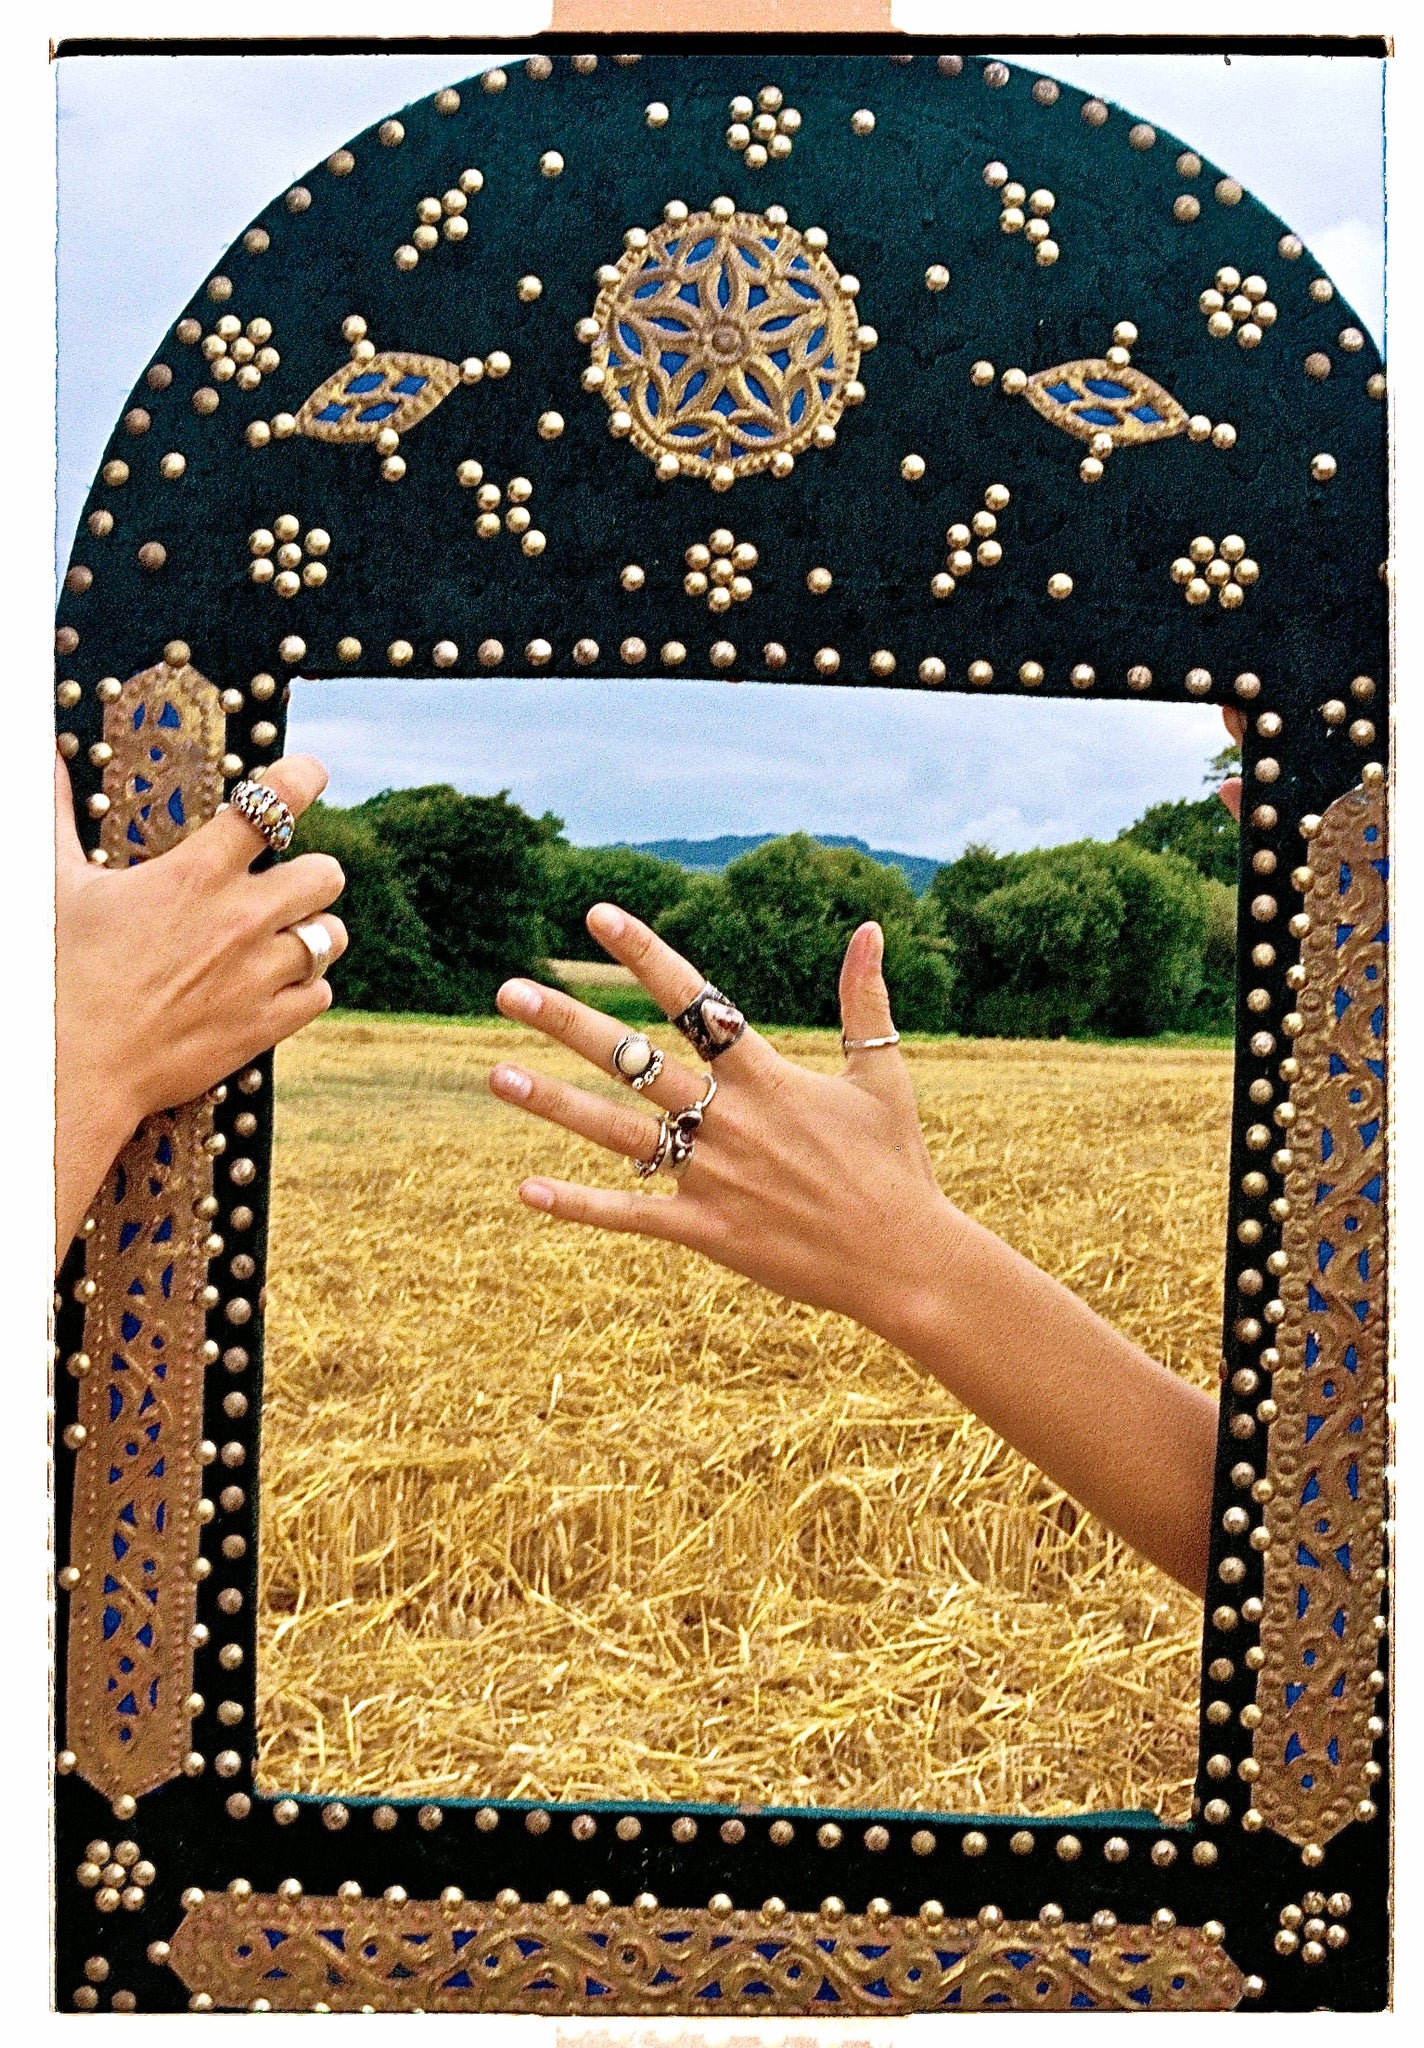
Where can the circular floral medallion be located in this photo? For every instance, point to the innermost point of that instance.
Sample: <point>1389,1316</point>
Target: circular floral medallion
<point>726,347</point>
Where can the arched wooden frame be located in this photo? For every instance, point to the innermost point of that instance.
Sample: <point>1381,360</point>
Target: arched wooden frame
<point>940,354</point>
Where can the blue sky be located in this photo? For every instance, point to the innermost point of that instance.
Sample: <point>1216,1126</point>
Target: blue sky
<point>162,161</point>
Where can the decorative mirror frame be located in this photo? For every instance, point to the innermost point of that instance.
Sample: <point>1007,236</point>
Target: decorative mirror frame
<point>179,1885</point>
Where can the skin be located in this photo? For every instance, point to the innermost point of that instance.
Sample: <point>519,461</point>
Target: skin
<point>171,973</point>
<point>821,1188</point>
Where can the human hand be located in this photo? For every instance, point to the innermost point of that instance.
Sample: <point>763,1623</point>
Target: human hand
<point>171,973</point>
<point>817,1186</point>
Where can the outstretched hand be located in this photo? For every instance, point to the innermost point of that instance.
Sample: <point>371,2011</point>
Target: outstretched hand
<point>174,971</point>
<point>817,1186</point>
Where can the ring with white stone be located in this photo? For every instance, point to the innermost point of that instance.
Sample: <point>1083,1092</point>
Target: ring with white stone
<point>637,1061</point>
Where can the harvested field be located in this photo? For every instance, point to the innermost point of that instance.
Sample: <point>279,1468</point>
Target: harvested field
<point>550,1515</point>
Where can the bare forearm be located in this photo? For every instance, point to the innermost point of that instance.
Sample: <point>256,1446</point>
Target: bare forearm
<point>90,1132</point>
<point>1125,1437</point>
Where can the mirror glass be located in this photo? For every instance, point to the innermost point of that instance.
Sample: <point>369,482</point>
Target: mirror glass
<point>557,1515</point>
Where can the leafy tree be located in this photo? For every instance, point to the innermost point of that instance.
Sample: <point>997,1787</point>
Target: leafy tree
<point>577,877</point>
<point>773,926</point>
<point>1227,762</point>
<point>1215,1005</point>
<point>389,965</point>
<point>1203,832</point>
<point>1065,939</point>
<point>472,868</point>
<point>1160,948</point>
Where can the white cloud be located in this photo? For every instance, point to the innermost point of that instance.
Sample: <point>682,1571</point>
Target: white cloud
<point>653,760</point>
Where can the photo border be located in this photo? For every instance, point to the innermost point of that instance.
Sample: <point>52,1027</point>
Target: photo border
<point>1274,1893</point>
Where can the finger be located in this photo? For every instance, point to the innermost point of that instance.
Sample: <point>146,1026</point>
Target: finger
<point>865,1013</point>
<point>591,1034</point>
<point>1235,722</point>
<point>293,1008</point>
<point>293,959</point>
<point>1230,794</point>
<point>229,841</point>
<point>68,852</point>
<point>865,1000</point>
<point>617,1126</point>
<point>671,981</point>
<point>297,889</point>
<point>606,1208</point>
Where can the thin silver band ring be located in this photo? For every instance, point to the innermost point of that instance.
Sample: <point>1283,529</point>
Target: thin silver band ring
<point>869,1044</point>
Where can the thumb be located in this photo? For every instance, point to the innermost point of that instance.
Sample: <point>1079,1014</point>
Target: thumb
<point>865,1005</point>
<point>68,852</point>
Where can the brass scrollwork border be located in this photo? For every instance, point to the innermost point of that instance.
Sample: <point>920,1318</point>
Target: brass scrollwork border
<point>355,1955</point>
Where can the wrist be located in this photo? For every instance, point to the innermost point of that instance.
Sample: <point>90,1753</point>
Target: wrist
<point>909,1297</point>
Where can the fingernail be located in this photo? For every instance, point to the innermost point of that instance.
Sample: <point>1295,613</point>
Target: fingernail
<point>512,1081</point>
<point>874,946</point>
<point>538,1194</point>
<point>607,920</point>
<point>520,999</point>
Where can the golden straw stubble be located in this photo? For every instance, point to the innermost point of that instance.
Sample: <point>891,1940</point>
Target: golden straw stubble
<point>561,1516</point>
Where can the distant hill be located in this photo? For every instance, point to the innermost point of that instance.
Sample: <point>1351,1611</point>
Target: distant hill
<point>710,856</point>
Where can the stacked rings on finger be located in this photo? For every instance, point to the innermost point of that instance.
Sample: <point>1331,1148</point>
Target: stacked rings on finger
<point>711,1023</point>
<point>637,1061</point>
<point>263,808</point>
<point>677,1136</point>
<point>319,948</point>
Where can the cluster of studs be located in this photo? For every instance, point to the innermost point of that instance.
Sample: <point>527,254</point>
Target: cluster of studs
<point>1239,305</point>
<point>1306,1930</point>
<point>117,1877</point>
<point>720,571</point>
<point>980,536</point>
<point>1334,711</point>
<point>489,497</point>
<point>234,354</point>
<point>1014,220</point>
<point>435,217</point>
<point>763,132</point>
<point>1227,570</point>
<point>86,1998</point>
<point>277,556</point>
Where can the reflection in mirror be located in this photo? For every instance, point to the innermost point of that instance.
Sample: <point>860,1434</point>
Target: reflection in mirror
<point>553,1514</point>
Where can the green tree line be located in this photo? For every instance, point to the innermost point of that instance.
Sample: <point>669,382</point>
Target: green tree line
<point>447,895</point>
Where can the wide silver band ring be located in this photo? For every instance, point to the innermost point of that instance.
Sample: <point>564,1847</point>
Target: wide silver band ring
<point>677,1135</point>
<point>320,949</point>
<point>711,1023</point>
<point>266,812</point>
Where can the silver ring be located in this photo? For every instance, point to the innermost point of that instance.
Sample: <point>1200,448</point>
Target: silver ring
<point>265,810</point>
<point>711,1022</point>
<point>677,1135</point>
<point>319,949</point>
<point>646,1168</point>
<point>637,1061</point>
<point>868,1044</point>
